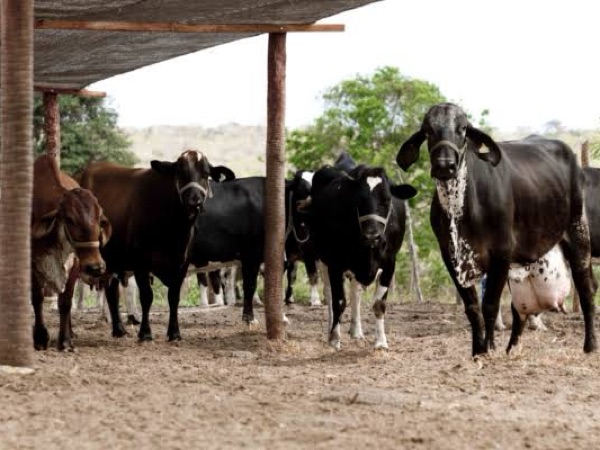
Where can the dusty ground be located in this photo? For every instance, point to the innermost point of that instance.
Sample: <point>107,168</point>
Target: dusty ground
<point>224,387</point>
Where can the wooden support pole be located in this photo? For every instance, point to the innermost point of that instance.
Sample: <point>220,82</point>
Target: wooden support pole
<point>275,186</point>
<point>16,181</point>
<point>176,27</point>
<point>52,125</point>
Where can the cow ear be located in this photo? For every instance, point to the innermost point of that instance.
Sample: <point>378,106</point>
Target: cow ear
<point>485,147</point>
<point>44,225</point>
<point>409,151</point>
<point>163,167</point>
<point>221,173</point>
<point>403,191</point>
<point>105,230</point>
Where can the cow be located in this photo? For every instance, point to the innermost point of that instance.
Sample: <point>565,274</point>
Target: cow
<point>233,230</point>
<point>152,212</point>
<point>592,207</point>
<point>357,223</point>
<point>301,248</point>
<point>298,243</point>
<point>498,204</point>
<point>68,228</point>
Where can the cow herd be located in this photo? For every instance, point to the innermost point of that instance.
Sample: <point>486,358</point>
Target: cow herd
<point>520,213</point>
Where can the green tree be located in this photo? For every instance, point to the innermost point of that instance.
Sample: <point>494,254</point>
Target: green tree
<point>89,132</point>
<point>370,117</point>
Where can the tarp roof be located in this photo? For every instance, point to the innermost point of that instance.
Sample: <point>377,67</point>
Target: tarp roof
<point>76,58</point>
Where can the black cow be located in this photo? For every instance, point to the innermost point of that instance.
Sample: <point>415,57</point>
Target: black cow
<point>298,243</point>
<point>233,229</point>
<point>592,206</point>
<point>498,204</point>
<point>152,212</point>
<point>357,222</point>
<point>302,248</point>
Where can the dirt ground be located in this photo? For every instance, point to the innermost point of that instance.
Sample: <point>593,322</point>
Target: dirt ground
<point>225,387</point>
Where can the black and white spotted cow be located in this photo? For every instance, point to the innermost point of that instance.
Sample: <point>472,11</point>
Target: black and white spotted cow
<point>357,222</point>
<point>498,204</point>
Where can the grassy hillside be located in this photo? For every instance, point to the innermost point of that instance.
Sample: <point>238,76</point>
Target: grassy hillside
<point>241,148</point>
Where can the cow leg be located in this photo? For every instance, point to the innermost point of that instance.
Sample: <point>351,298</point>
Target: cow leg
<point>65,300</point>
<point>313,279</point>
<point>229,276</point>
<point>356,331</point>
<point>250,269</point>
<point>40,332</point>
<point>202,288</point>
<point>111,292</point>
<point>326,283</point>
<point>577,252</point>
<point>379,305</point>
<point>469,298</point>
<point>291,269</point>
<point>494,285</point>
<point>80,289</point>
<point>132,312</point>
<point>146,296</point>
<point>518,323</point>
<point>215,282</point>
<point>337,305</point>
<point>173,294</point>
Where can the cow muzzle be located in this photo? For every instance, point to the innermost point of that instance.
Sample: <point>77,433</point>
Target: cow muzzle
<point>445,158</point>
<point>193,196</point>
<point>373,226</point>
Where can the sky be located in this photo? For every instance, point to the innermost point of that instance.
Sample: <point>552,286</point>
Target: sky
<point>527,61</point>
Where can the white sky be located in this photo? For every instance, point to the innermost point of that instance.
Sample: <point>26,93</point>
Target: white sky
<point>527,61</point>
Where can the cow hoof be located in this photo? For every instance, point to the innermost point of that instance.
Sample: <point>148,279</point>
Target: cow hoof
<point>249,320</point>
<point>132,320</point>
<point>173,337</point>
<point>383,345</point>
<point>285,320</point>
<point>65,347</point>
<point>356,333</point>
<point>335,343</point>
<point>119,331</point>
<point>499,327</point>
<point>40,338</point>
<point>590,345</point>
<point>145,338</point>
<point>316,303</point>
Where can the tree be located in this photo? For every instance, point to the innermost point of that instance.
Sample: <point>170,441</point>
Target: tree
<point>370,117</point>
<point>89,132</point>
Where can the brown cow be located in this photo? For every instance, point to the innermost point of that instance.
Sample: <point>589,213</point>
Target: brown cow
<point>152,212</point>
<point>65,221</point>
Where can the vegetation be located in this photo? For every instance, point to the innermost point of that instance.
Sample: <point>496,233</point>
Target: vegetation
<point>370,117</point>
<point>89,132</point>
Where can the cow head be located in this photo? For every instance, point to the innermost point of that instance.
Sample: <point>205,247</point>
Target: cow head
<point>449,136</point>
<point>373,194</point>
<point>191,173</point>
<point>80,222</point>
<point>297,211</point>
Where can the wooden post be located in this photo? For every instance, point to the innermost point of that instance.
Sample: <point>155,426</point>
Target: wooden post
<point>16,181</point>
<point>52,125</point>
<point>585,162</point>
<point>275,186</point>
